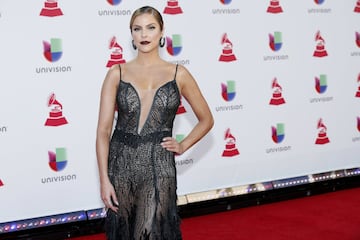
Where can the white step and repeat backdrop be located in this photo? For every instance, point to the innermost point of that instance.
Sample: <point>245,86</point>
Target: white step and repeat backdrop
<point>282,79</point>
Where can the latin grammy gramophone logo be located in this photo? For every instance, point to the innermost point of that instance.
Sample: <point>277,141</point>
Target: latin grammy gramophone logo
<point>51,9</point>
<point>274,7</point>
<point>116,56</point>
<point>227,51</point>
<point>277,98</point>
<point>320,50</point>
<point>55,117</point>
<point>322,133</point>
<point>358,91</point>
<point>230,146</point>
<point>172,8</point>
<point>357,7</point>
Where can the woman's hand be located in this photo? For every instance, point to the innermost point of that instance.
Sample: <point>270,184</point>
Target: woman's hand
<point>108,196</point>
<point>172,145</point>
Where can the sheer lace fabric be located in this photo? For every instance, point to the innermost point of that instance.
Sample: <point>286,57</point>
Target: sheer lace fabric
<point>142,172</point>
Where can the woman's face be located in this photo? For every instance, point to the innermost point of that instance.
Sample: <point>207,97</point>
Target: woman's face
<point>146,32</point>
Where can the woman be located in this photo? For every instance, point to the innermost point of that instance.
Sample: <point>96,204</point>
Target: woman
<point>136,161</point>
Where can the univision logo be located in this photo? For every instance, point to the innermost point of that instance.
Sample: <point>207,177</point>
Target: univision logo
<point>318,2</point>
<point>58,159</point>
<point>225,2</point>
<point>57,162</point>
<point>321,83</point>
<point>114,2</point>
<point>174,45</point>
<point>278,132</point>
<point>275,41</point>
<point>357,39</point>
<point>228,92</point>
<point>53,49</point>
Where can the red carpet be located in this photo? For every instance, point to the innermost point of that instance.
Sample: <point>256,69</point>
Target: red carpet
<point>329,216</point>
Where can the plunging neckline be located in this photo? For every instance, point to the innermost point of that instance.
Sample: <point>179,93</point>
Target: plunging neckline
<point>139,131</point>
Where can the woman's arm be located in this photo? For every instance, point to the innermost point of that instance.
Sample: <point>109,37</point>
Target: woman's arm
<point>191,92</point>
<point>103,133</point>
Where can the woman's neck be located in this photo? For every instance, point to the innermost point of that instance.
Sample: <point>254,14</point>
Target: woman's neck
<point>148,59</point>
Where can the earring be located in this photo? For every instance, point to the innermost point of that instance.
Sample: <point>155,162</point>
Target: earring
<point>162,42</point>
<point>133,45</point>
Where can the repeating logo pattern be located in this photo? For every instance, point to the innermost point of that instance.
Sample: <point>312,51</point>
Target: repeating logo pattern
<point>223,48</point>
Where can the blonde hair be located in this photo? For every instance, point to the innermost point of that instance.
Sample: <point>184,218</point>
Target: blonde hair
<point>149,10</point>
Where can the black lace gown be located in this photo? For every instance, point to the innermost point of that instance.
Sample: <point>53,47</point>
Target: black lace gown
<point>141,171</point>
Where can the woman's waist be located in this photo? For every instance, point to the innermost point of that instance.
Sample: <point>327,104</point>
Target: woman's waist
<point>134,139</point>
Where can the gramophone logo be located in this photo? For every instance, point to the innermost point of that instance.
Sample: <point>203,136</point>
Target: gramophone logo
<point>172,8</point>
<point>274,7</point>
<point>358,91</point>
<point>116,56</point>
<point>225,2</point>
<point>1,183</point>
<point>321,83</point>
<point>357,39</point>
<point>320,50</point>
<point>230,146</point>
<point>278,132</point>
<point>181,109</point>
<point>322,133</point>
<point>275,41</point>
<point>174,44</point>
<point>53,49</point>
<point>58,159</point>
<point>55,117</point>
<point>357,7</point>
<point>227,51</point>
<point>319,2</point>
<point>228,90</point>
<point>51,9</point>
<point>277,98</point>
<point>114,2</point>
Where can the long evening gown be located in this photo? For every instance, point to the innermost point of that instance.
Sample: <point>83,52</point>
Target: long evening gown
<point>141,171</point>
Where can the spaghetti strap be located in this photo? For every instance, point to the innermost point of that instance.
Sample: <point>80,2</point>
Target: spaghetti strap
<point>176,71</point>
<point>120,71</point>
